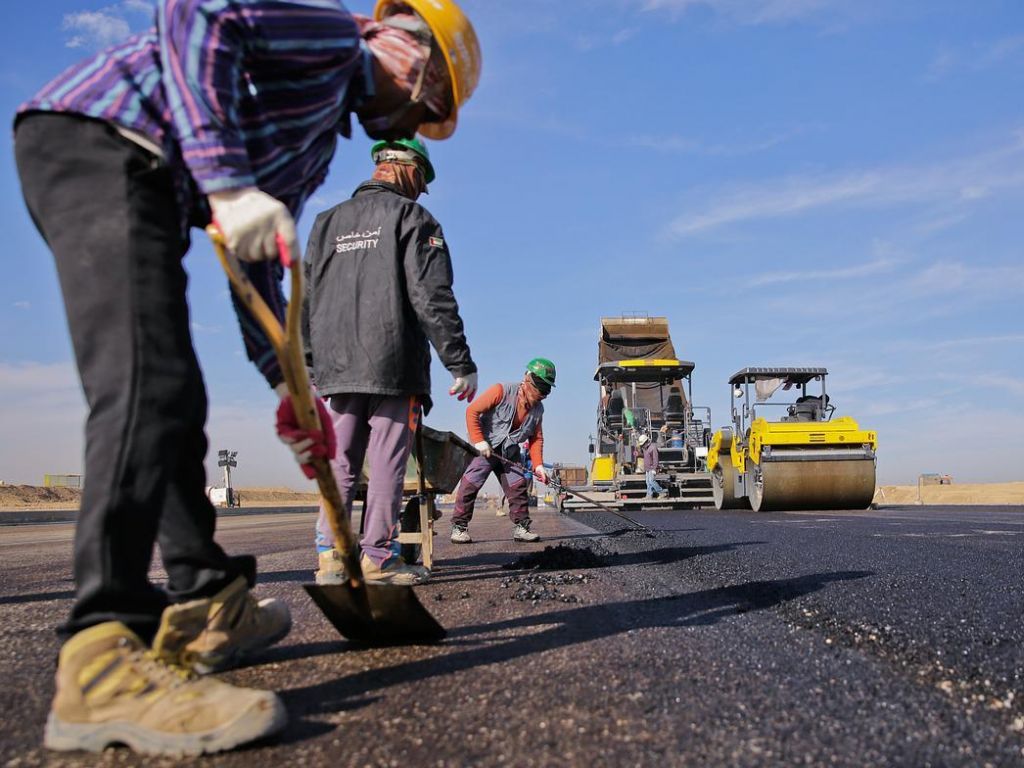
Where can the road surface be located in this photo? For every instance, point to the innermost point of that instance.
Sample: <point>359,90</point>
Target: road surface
<point>886,638</point>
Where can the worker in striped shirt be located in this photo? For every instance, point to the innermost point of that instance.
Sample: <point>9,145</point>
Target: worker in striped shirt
<point>223,111</point>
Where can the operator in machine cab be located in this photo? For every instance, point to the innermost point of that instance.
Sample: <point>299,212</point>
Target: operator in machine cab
<point>501,418</point>
<point>378,294</point>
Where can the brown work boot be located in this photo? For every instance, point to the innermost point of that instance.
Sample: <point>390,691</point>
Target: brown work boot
<point>394,570</point>
<point>332,568</point>
<point>111,689</point>
<point>235,626</point>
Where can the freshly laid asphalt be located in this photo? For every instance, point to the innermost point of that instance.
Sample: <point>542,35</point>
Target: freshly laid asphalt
<point>889,637</point>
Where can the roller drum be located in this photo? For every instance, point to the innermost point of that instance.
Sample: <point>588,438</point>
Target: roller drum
<point>794,485</point>
<point>723,485</point>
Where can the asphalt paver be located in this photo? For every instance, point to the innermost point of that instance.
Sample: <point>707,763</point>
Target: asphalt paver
<point>887,637</point>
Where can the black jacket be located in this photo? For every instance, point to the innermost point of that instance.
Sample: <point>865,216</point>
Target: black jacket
<point>378,286</point>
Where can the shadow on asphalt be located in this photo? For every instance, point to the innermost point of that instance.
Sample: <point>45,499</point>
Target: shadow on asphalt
<point>37,597</point>
<point>663,556</point>
<point>559,629</point>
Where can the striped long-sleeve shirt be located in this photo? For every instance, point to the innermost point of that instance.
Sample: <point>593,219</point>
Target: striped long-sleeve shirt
<point>237,93</point>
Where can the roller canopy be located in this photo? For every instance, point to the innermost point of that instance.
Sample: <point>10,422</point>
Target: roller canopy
<point>790,375</point>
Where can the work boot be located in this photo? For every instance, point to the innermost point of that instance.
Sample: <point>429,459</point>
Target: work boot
<point>235,626</point>
<point>332,568</point>
<point>522,532</point>
<point>111,689</point>
<point>394,570</point>
<point>421,570</point>
<point>461,535</point>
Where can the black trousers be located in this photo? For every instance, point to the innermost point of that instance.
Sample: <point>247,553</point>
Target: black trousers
<point>107,209</point>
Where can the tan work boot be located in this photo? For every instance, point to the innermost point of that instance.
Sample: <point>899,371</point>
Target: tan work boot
<point>111,689</point>
<point>332,568</point>
<point>231,625</point>
<point>395,571</point>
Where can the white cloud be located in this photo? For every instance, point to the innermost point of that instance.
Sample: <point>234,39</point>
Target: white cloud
<point>22,305</point>
<point>95,29</point>
<point>960,181</point>
<point>752,12</point>
<point>1012,386</point>
<point>860,270</point>
<point>139,6</point>
<point>976,58</point>
<point>1001,50</point>
<point>674,143</point>
<point>971,342</point>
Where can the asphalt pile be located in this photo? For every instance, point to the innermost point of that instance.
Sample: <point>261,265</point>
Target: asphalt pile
<point>563,557</point>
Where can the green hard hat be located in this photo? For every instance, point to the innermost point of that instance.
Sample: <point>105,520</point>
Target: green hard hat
<point>413,145</point>
<point>543,369</point>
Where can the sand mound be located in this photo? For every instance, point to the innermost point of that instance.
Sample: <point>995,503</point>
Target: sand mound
<point>966,493</point>
<point>38,497</point>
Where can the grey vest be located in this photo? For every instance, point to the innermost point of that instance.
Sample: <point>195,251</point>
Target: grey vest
<point>497,422</point>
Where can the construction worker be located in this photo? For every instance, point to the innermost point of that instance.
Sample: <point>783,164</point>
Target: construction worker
<point>651,459</point>
<point>227,112</point>
<point>382,253</point>
<point>501,418</point>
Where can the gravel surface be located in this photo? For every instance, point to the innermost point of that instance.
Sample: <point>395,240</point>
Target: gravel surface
<point>883,638</point>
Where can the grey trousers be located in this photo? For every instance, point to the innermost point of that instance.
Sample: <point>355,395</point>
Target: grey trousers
<point>379,430</point>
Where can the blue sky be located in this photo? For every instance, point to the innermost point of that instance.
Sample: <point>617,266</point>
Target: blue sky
<point>790,182</point>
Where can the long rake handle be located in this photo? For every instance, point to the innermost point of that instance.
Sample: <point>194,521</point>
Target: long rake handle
<point>287,346</point>
<point>604,507</point>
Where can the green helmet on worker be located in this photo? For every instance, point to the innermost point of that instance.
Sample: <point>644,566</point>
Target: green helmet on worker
<point>406,151</point>
<point>543,369</point>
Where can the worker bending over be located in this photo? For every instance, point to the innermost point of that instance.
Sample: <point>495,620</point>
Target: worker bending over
<point>380,255</point>
<point>227,112</point>
<point>499,420</point>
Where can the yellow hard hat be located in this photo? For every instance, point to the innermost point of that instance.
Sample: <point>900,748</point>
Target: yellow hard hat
<point>457,40</point>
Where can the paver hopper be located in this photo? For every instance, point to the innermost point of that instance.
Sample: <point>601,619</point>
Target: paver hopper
<point>646,390</point>
<point>790,453</point>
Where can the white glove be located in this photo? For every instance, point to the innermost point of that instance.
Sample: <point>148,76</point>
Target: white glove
<point>542,474</point>
<point>484,448</point>
<point>464,387</point>
<point>251,221</point>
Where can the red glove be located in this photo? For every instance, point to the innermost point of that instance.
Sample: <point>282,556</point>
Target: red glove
<point>306,444</point>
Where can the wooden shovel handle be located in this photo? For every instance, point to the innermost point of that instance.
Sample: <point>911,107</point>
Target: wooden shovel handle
<point>287,345</point>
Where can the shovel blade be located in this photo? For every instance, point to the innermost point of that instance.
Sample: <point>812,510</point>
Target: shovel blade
<point>378,615</point>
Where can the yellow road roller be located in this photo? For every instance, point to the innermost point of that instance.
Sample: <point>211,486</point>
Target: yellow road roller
<point>785,450</point>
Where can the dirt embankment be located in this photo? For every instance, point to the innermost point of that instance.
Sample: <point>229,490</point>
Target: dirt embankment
<point>966,493</point>
<point>38,497</point>
<point>284,497</point>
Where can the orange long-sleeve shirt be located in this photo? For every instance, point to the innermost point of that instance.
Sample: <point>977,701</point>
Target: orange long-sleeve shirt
<point>489,399</point>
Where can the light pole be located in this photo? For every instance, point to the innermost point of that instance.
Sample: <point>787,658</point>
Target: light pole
<point>226,459</point>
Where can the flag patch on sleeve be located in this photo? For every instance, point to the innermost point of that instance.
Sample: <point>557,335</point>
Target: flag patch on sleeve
<point>437,242</point>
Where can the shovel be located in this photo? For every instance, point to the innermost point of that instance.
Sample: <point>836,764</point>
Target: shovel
<point>378,615</point>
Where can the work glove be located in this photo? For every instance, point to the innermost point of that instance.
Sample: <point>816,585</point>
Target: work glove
<point>464,387</point>
<point>484,448</point>
<point>306,444</point>
<point>542,474</point>
<point>255,225</point>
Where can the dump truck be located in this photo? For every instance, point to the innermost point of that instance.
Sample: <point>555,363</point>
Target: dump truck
<point>646,390</point>
<point>786,450</point>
